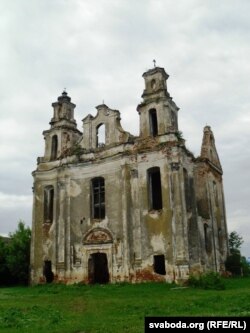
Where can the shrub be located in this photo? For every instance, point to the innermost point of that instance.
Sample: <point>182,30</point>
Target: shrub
<point>209,280</point>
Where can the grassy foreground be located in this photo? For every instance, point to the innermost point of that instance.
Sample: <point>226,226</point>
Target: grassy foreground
<point>116,308</point>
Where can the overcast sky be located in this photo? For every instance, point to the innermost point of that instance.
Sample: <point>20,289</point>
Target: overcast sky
<point>98,50</point>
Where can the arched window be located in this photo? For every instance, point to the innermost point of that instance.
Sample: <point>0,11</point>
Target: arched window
<point>98,198</point>
<point>154,188</point>
<point>48,204</point>
<point>153,123</point>
<point>100,135</point>
<point>54,147</point>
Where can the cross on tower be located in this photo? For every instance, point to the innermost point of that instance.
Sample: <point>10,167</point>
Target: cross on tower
<point>154,61</point>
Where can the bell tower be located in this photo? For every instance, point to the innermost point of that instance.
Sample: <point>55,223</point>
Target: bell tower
<point>158,113</point>
<point>63,133</point>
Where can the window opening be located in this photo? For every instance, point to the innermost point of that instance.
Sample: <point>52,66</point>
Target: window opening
<point>153,122</point>
<point>54,147</point>
<point>100,135</point>
<point>98,198</point>
<point>155,195</point>
<point>48,204</point>
<point>159,264</point>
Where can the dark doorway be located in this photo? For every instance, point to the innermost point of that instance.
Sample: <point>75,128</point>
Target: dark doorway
<point>98,268</point>
<point>159,264</point>
<point>47,271</point>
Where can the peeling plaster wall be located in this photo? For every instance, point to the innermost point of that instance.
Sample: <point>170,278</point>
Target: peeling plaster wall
<point>137,233</point>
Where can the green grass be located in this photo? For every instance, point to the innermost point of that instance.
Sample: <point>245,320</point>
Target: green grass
<point>115,308</point>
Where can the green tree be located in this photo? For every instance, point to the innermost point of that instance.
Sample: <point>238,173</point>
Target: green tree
<point>18,254</point>
<point>235,263</point>
<point>235,241</point>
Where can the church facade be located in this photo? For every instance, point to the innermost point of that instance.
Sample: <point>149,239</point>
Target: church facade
<point>109,206</point>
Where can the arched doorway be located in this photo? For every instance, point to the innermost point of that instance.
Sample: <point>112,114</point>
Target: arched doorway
<point>98,268</point>
<point>97,251</point>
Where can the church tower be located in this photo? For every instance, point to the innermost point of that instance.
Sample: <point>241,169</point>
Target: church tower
<point>63,134</point>
<point>158,113</point>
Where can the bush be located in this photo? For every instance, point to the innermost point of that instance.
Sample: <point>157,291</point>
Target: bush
<point>210,280</point>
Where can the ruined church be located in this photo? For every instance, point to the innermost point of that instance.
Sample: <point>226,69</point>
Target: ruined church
<point>110,206</point>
